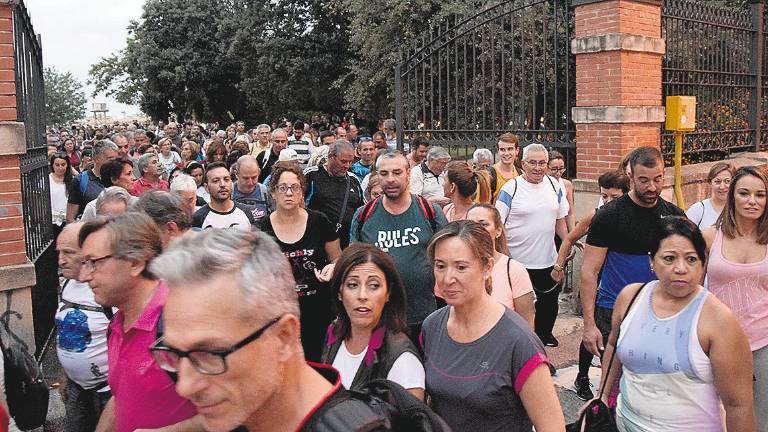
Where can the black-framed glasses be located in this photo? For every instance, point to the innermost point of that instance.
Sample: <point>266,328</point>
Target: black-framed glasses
<point>207,362</point>
<point>557,169</point>
<point>90,264</point>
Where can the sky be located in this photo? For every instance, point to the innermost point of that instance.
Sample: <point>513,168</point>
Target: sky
<point>78,33</point>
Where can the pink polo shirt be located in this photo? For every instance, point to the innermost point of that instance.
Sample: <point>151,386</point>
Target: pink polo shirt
<point>141,185</point>
<point>144,395</point>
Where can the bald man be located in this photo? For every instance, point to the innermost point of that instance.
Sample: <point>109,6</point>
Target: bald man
<point>247,189</point>
<point>82,339</point>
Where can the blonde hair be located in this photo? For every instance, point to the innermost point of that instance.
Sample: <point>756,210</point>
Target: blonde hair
<point>470,182</point>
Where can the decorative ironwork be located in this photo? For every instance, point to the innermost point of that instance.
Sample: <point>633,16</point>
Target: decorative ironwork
<point>30,109</point>
<point>709,55</point>
<point>507,68</point>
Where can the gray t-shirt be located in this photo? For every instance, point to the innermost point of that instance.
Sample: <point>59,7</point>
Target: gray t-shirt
<point>405,238</point>
<point>475,386</point>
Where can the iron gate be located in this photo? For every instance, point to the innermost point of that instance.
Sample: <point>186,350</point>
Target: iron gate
<point>507,68</point>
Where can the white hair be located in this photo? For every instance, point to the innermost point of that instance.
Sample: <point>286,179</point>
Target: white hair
<point>535,148</point>
<point>112,194</point>
<point>437,152</point>
<point>183,183</point>
<point>250,259</point>
<point>482,154</point>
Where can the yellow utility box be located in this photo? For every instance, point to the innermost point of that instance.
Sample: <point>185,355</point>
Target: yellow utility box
<point>681,113</point>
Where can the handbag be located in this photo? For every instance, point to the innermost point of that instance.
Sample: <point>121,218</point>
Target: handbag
<point>597,416</point>
<point>25,387</point>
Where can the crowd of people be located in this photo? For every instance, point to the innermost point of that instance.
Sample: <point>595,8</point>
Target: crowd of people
<point>290,266</point>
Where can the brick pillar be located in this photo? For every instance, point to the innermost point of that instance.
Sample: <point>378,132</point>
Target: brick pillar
<point>618,50</point>
<point>17,274</point>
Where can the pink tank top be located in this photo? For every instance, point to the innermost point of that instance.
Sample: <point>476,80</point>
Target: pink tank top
<point>744,289</point>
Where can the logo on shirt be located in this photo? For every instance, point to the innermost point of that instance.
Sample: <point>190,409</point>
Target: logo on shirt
<point>74,332</point>
<point>398,238</point>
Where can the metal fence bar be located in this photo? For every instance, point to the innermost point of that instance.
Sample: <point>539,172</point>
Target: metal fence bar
<point>758,22</point>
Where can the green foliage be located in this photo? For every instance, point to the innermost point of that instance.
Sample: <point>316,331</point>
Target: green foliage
<point>64,97</point>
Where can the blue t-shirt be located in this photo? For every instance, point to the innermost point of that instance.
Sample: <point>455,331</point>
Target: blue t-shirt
<point>627,231</point>
<point>360,170</point>
<point>259,199</point>
<point>405,238</point>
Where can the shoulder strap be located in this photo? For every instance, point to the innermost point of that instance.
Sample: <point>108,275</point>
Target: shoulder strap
<point>703,210</point>
<point>364,215</point>
<point>84,179</point>
<point>343,210</point>
<point>509,278</point>
<point>514,192</point>
<point>428,211</point>
<point>613,354</point>
<point>557,194</point>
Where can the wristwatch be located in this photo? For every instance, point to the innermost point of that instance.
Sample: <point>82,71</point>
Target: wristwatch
<point>557,268</point>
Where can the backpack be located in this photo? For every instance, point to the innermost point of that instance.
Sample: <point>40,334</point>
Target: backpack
<point>25,387</point>
<point>426,209</point>
<point>514,192</point>
<point>379,406</point>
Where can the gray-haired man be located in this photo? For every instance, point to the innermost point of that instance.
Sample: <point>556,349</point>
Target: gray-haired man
<point>333,190</point>
<point>533,209</point>
<point>87,186</point>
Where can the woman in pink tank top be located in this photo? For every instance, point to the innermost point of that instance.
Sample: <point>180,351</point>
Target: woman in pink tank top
<point>737,271</point>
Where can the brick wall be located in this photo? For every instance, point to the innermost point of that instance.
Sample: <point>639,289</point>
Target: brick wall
<point>618,70</point>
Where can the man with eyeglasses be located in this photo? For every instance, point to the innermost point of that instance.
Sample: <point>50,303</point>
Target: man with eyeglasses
<point>116,256</point>
<point>232,337</point>
<point>533,209</point>
<point>222,211</point>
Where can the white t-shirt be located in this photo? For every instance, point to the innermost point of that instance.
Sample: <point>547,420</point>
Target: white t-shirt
<point>703,214</point>
<point>82,339</point>
<point>202,193</point>
<point>529,212</point>
<point>426,183</point>
<point>170,162</point>
<point>58,201</point>
<point>406,371</point>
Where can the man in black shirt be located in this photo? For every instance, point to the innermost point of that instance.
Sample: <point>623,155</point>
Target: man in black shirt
<point>268,157</point>
<point>87,186</point>
<point>618,243</point>
<point>335,191</point>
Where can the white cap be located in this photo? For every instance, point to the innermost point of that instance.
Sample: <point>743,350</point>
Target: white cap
<point>287,154</point>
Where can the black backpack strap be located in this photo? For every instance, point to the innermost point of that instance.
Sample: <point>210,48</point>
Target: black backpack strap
<point>509,278</point>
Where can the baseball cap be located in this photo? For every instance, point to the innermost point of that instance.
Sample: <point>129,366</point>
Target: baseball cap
<point>287,154</point>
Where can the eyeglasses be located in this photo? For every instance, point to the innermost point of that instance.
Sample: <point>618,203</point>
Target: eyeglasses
<point>557,169</point>
<point>90,264</point>
<point>284,188</point>
<point>718,182</point>
<point>207,362</point>
<point>540,163</point>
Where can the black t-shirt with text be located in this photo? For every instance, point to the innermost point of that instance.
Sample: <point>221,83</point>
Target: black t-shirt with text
<point>315,299</point>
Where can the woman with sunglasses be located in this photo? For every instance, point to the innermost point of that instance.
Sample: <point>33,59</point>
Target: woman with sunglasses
<point>311,245</point>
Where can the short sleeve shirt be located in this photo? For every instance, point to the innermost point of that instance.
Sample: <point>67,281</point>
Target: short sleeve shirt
<point>530,211</point>
<point>240,217</point>
<point>92,190</point>
<point>405,238</point>
<point>315,297</point>
<point>510,281</point>
<point>145,397</point>
<point>476,386</point>
<point>259,199</point>
<point>626,230</point>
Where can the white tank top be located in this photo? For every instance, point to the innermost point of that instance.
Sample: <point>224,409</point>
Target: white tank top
<point>667,382</point>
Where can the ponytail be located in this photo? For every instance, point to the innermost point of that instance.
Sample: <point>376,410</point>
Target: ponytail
<point>484,192</point>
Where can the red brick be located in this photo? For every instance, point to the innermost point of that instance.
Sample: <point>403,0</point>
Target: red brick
<point>11,198</point>
<point>10,210</point>
<point>8,114</point>
<point>13,259</point>
<point>7,75</point>
<point>12,247</point>
<point>9,186</point>
<point>10,173</point>
<point>11,222</point>
<point>12,234</point>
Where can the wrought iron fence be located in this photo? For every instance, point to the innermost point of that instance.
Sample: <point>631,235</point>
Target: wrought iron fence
<point>507,68</point>
<point>30,109</point>
<point>710,54</point>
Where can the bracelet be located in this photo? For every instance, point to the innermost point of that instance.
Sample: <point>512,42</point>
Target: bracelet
<point>558,268</point>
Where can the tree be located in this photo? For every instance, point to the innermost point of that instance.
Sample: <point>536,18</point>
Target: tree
<point>64,97</point>
<point>175,62</point>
